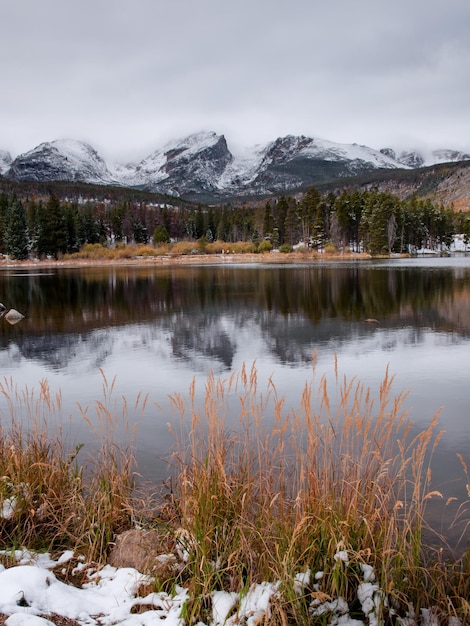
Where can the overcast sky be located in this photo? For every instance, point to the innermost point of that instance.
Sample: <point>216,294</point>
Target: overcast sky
<point>129,75</point>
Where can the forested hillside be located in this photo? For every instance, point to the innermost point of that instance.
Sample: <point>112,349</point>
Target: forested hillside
<point>447,184</point>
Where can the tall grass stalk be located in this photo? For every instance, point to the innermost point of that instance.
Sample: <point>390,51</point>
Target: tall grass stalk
<point>264,491</point>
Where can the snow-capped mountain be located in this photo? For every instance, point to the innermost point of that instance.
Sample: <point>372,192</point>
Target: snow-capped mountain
<point>201,166</point>
<point>5,161</point>
<point>63,159</point>
<point>191,165</point>
<point>426,158</point>
<point>202,163</point>
<point>294,162</point>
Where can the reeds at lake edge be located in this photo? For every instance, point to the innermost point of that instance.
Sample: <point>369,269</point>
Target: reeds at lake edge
<point>50,500</point>
<point>265,491</point>
<point>260,492</point>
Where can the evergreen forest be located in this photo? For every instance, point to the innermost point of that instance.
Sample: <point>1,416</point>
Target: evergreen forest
<point>370,221</point>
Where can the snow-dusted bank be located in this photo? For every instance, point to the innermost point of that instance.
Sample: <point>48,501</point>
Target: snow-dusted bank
<point>31,594</point>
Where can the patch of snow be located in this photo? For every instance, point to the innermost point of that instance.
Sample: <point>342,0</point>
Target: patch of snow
<point>367,572</point>
<point>8,508</point>
<point>28,590</point>
<point>255,606</point>
<point>371,599</point>
<point>301,581</point>
<point>338,606</point>
<point>244,167</point>
<point>21,619</point>
<point>458,244</point>
<point>223,604</point>
<point>343,556</point>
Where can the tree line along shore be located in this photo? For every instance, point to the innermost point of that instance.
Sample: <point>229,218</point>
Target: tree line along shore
<point>360,222</point>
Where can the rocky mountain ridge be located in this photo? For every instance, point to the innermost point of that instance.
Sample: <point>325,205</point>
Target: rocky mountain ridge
<point>202,167</point>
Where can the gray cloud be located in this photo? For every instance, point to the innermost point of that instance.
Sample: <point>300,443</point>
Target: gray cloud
<point>127,76</point>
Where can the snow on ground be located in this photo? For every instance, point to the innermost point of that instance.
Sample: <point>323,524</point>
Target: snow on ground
<point>30,592</point>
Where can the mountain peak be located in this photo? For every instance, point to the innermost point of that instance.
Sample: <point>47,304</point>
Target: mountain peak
<point>62,159</point>
<point>197,141</point>
<point>186,166</point>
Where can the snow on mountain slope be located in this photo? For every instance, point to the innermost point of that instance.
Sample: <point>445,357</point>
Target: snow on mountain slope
<point>63,159</point>
<point>243,168</point>
<point>426,158</point>
<point>292,162</point>
<point>192,164</point>
<point>201,166</point>
<point>5,161</point>
<point>253,163</point>
<point>122,172</point>
<point>445,156</point>
<point>332,151</point>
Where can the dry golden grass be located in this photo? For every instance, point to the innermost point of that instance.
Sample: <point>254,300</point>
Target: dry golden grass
<point>184,252</point>
<point>184,248</point>
<point>265,491</point>
<point>52,501</point>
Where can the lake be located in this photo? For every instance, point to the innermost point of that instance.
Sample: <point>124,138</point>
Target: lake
<point>153,329</point>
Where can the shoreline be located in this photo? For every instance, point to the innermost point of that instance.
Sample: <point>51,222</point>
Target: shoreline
<point>189,259</point>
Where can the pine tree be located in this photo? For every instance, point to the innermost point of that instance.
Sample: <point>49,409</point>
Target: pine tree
<point>4,206</point>
<point>87,226</point>
<point>279,216</point>
<point>160,235</point>
<point>139,231</point>
<point>52,235</point>
<point>349,208</point>
<point>34,214</point>
<point>380,214</point>
<point>116,219</point>
<point>308,209</point>
<point>199,223</point>
<point>211,230</point>
<point>16,233</point>
<point>291,223</point>
<point>222,226</point>
<point>268,224</point>
<point>70,219</point>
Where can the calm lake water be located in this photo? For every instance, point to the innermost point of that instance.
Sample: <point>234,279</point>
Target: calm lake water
<point>151,330</point>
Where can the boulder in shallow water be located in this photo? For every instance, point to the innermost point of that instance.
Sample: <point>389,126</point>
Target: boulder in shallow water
<point>13,316</point>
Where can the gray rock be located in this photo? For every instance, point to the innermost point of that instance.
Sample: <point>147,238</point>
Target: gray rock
<point>13,316</point>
